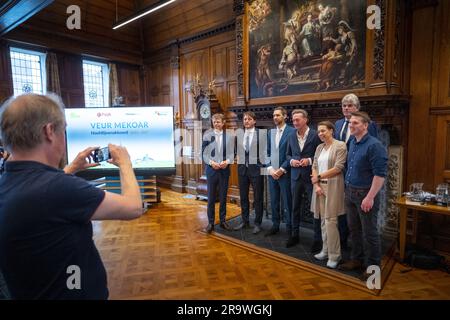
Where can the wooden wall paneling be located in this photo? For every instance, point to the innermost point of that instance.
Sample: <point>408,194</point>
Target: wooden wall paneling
<point>71,79</point>
<point>442,148</point>
<point>185,18</point>
<point>442,62</point>
<point>96,37</point>
<point>129,84</point>
<point>223,70</point>
<point>193,64</point>
<point>419,148</point>
<point>6,82</point>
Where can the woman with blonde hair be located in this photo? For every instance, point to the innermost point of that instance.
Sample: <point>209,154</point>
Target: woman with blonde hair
<point>328,196</point>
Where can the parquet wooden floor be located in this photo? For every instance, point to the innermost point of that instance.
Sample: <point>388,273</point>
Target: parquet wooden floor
<point>162,256</point>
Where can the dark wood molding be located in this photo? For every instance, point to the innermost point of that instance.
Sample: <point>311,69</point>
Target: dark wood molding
<point>229,26</point>
<point>240,55</point>
<point>378,65</point>
<point>440,110</point>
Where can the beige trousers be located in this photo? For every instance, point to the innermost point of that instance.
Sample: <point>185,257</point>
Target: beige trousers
<point>330,232</point>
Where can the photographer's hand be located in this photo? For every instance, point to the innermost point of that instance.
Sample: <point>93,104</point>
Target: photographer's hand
<point>119,156</point>
<point>81,162</point>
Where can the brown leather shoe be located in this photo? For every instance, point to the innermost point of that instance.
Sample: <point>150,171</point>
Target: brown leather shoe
<point>209,228</point>
<point>350,265</point>
<point>225,226</point>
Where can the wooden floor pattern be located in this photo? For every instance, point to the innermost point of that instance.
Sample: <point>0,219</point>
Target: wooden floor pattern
<point>162,256</point>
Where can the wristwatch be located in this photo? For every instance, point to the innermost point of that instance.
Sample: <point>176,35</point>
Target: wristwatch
<point>319,177</point>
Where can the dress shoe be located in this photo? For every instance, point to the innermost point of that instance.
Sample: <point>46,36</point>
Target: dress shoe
<point>332,264</point>
<point>225,226</point>
<point>271,232</point>
<point>316,247</point>
<point>351,265</point>
<point>321,256</point>
<point>292,241</point>
<point>242,225</point>
<point>209,228</point>
<point>256,229</point>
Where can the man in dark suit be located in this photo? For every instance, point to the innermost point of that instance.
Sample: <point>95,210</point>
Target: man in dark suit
<point>279,171</point>
<point>215,145</point>
<point>350,104</point>
<point>302,145</point>
<point>250,165</point>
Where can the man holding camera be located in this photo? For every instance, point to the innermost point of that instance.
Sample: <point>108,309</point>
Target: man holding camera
<point>46,213</point>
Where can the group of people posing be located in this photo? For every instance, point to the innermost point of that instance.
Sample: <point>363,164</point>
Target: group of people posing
<point>341,167</point>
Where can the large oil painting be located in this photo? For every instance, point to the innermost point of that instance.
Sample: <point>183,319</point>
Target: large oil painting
<point>305,46</point>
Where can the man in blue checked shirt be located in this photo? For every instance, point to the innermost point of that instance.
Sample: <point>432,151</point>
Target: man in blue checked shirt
<point>366,171</point>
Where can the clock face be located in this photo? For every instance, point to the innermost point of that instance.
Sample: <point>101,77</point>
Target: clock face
<point>205,112</point>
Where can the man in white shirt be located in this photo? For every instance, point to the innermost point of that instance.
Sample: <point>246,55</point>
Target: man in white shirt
<point>217,156</point>
<point>301,148</point>
<point>279,172</point>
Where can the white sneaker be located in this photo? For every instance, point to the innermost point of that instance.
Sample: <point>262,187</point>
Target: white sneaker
<point>321,256</point>
<point>332,264</point>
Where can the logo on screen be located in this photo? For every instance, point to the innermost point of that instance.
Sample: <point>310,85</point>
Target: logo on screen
<point>102,114</point>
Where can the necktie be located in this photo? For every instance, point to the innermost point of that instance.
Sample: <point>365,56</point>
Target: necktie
<point>247,149</point>
<point>247,143</point>
<point>344,132</point>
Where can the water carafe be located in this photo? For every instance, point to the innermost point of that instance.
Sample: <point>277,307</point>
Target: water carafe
<point>442,194</point>
<point>416,191</point>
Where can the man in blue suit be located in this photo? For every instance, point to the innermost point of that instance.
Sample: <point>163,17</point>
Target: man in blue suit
<point>250,164</point>
<point>350,104</point>
<point>279,171</point>
<point>302,145</point>
<point>218,154</point>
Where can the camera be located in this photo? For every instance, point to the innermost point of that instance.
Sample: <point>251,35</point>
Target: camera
<point>101,155</point>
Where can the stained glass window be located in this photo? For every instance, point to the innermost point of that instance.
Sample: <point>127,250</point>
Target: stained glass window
<point>28,71</point>
<point>96,84</point>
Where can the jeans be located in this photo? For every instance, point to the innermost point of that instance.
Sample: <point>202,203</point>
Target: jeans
<point>366,244</point>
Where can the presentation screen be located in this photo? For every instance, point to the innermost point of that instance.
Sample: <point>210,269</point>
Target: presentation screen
<point>146,132</point>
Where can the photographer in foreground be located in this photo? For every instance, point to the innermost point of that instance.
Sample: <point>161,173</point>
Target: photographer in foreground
<point>46,245</point>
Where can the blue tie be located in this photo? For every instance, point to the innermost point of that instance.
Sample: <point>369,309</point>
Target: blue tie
<point>344,132</point>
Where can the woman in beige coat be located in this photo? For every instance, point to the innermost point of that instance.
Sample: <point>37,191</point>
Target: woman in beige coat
<point>328,196</point>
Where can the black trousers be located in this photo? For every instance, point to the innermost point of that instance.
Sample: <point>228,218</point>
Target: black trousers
<point>220,181</point>
<point>258,189</point>
<point>298,188</point>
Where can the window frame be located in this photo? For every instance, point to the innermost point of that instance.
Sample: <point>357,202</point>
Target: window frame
<point>42,61</point>
<point>105,82</point>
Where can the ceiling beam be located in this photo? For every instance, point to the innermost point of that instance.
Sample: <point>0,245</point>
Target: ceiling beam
<point>15,12</point>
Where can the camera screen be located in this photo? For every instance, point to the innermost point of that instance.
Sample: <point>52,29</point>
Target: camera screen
<point>101,155</point>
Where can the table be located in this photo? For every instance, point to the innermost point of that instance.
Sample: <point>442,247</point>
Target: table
<point>406,205</point>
